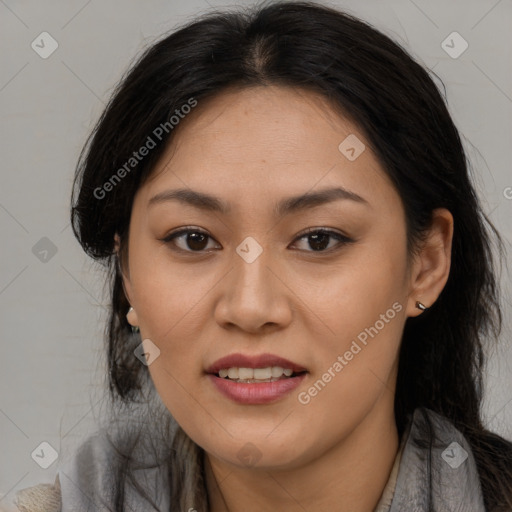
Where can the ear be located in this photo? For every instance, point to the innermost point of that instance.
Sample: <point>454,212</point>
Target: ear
<point>431,267</point>
<point>131,315</point>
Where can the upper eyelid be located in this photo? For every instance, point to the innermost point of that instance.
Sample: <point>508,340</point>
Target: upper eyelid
<point>186,229</point>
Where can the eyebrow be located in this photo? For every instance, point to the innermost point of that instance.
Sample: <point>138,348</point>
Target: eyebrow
<point>207,202</point>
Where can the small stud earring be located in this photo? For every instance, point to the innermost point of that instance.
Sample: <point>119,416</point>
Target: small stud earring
<point>135,328</point>
<point>419,305</point>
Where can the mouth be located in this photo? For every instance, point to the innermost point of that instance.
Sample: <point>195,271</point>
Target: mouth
<point>260,366</point>
<point>257,379</point>
<point>257,375</point>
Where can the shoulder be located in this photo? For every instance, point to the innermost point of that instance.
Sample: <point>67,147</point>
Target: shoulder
<point>90,476</point>
<point>114,466</point>
<point>89,469</point>
<point>109,467</point>
<point>439,436</point>
<point>437,454</point>
<point>482,442</point>
<point>472,465</point>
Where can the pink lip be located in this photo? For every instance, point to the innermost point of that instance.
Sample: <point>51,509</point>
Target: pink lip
<point>260,361</point>
<point>259,392</point>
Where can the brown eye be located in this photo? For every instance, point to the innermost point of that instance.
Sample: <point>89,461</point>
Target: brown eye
<point>192,240</point>
<point>196,240</point>
<point>318,239</point>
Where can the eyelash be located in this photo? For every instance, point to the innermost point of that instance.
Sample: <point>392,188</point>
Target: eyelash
<point>342,239</point>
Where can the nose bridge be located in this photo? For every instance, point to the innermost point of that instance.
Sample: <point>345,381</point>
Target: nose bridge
<point>252,274</point>
<point>250,296</point>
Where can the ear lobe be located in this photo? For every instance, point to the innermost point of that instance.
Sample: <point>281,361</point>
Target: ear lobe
<point>432,267</point>
<point>132,318</point>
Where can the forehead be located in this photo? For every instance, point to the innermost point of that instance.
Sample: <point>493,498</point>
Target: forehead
<point>268,140</point>
<point>264,121</point>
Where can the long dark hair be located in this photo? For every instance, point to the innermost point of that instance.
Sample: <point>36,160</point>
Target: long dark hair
<point>396,104</point>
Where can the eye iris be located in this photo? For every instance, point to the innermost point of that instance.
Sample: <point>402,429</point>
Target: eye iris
<point>194,238</point>
<point>318,241</point>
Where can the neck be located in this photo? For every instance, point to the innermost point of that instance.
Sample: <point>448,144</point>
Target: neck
<point>350,476</point>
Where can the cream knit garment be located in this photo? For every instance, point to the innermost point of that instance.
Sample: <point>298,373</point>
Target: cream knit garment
<point>39,498</point>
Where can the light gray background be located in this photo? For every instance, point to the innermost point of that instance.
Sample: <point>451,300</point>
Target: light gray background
<point>52,366</point>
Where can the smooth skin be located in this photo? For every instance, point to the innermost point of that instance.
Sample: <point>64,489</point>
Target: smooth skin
<point>252,148</point>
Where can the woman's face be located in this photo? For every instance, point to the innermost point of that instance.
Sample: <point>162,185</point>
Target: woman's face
<point>250,281</point>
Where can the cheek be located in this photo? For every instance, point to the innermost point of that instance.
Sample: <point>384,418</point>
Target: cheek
<point>169,295</point>
<point>363,288</point>
<point>170,302</point>
<point>363,310</point>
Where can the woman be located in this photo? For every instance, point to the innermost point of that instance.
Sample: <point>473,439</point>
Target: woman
<point>301,279</point>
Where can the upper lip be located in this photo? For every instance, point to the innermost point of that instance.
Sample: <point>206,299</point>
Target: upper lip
<point>256,361</point>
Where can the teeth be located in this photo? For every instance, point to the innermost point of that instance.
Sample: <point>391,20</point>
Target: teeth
<point>260,373</point>
<point>268,374</point>
<point>277,371</point>
<point>245,373</point>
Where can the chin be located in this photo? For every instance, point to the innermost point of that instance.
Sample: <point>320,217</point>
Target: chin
<point>261,454</point>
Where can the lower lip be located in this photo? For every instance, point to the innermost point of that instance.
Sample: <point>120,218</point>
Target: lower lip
<point>257,393</point>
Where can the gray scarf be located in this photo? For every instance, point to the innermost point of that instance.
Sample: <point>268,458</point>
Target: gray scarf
<point>437,472</point>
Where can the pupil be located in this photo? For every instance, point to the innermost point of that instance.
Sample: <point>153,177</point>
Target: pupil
<point>319,245</point>
<point>195,238</point>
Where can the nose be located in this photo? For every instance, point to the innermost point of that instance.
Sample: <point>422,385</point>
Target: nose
<point>254,295</point>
